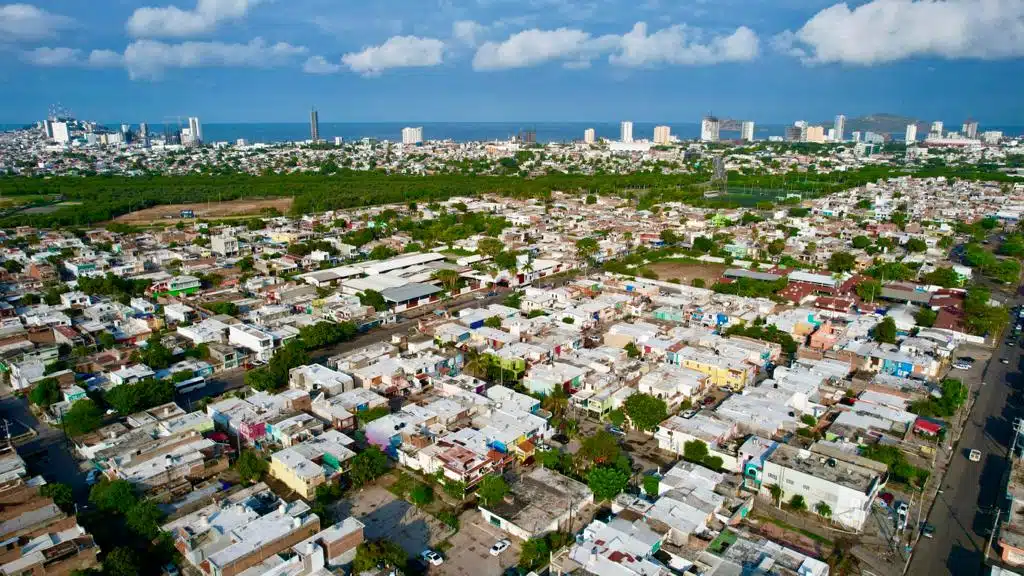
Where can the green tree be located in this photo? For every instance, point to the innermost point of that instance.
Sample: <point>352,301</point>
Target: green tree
<point>533,552</point>
<point>943,276</point>
<point>493,322</point>
<point>591,199</point>
<point>775,247</point>
<point>84,416</point>
<point>586,248</point>
<point>645,411</point>
<point>860,242</point>
<point>60,494</point>
<point>144,519</point>
<point>455,488</point>
<point>374,299</point>
<point>607,482</point>
<point>703,244</point>
<point>251,466</point>
<point>600,448</point>
<point>823,510</point>
<point>113,496</point>
<point>490,247</point>
<point>121,561</point>
<point>448,278</point>
<point>372,554</point>
<point>492,489</point>
<point>698,283</point>
<point>45,393</point>
<point>652,485</point>
<point>926,317</point>
<point>421,494</point>
<point>776,492</point>
<point>868,290</point>
<point>617,417</point>
<point>155,354</point>
<point>631,350</point>
<point>841,262</point>
<point>695,450</point>
<point>367,466</point>
<point>798,503</point>
<point>915,245</point>
<point>885,331</point>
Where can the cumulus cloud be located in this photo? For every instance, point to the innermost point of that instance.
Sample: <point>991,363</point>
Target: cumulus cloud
<point>889,30</point>
<point>26,22</point>
<point>173,22</point>
<point>46,56</point>
<point>675,45</point>
<point>319,65</point>
<point>531,47</point>
<point>65,57</point>
<point>397,52</point>
<point>148,59</point>
<point>468,32</point>
<point>684,46</point>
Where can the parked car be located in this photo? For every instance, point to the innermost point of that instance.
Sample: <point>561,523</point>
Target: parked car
<point>616,430</point>
<point>93,477</point>
<point>887,497</point>
<point>708,400</point>
<point>927,530</point>
<point>689,414</point>
<point>560,438</point>
<point>959,365</point>
<point>902,509</point>
<point>1004,360</point>
<point>500,546</point>
<point>974,455</point>
<point>431,557</point>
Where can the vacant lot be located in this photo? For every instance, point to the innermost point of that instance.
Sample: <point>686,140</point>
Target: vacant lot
<point>687,271</point>
<point>387,517</point>
<point>250,207</point>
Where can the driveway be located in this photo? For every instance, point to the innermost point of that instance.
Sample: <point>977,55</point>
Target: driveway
<point>469,554</point>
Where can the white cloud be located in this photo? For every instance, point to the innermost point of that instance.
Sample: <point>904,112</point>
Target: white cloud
<point>397,52</point>
<point>147,59</point>
<point>26,22</point>
<point>531,47</point>
<point>319,65</point>
<point>682,45</point>
<point>64,57</point>
<point>675,45</point>
<point>888,30</point>
<point>468,32</point>
<point>45,56</point>
<point>173,22</point>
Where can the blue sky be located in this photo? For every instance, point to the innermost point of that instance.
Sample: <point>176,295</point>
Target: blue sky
<point>773,61</point>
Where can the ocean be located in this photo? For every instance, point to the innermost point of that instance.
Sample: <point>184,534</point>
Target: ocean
<point>459,131</point>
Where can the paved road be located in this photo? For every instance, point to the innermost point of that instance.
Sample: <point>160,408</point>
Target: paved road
<point>48,453</point>
<point>963,514</point>
<point>235,379</point>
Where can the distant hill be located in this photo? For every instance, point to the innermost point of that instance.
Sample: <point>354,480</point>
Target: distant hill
<point>881,123</point>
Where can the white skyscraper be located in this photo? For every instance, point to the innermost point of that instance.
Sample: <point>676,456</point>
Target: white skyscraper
<point>936,128</point>
<point>195,130</point>
<point>48,128</point>
<point>970,129</point>
<point>840,127</point>
<point>709,129</point>
<point>60,132</point>
<point>911,136</point>
<point>589,136</point>
<point>802,125</point>
<point>626,132</point>
<point>747,131</point>
<point>662,134</point>
<point>143,130</point>
<point>412,135</point>
<point>855,137</point>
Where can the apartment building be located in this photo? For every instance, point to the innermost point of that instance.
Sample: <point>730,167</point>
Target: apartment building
<point>307,465</point>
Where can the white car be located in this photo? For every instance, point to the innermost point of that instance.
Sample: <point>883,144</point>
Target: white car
<point>499,547</point>
<point>431,557</point>
<point>961,366</point>
<point>974,456</point>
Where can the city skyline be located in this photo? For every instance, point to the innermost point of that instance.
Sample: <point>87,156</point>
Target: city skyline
<point>252,61</point>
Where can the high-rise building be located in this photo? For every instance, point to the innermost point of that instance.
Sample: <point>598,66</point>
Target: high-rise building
<point>814,134</point>
<point>528,136</point>
<point>195,130</point>
<point>970,129</point>
<point>840,127</point>
<point>802,125</point>
<point>992,136</point>
<point>412,135</point>
<point>314,126</point>
<point>589,136</point>
<point>793,133</point>
<point>709,129</point>
<point>747,131</point>
<point>662,134</point>
<point>626,131</point>
<point>48,129</point>
<point>911,136</point>
<point>936,129</point>
<point>855,137</point>
<point>61,132</point>
<point>143,130</point>
<point>337,140</point>
<point>874,138</point>
<point>830,135</point>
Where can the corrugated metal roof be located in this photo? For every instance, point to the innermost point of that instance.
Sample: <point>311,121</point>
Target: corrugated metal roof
<point>409,292</point>
<point>753,275</point>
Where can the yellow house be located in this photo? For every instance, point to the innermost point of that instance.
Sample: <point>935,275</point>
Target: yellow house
<point>723,372</point>
<point>316,461</point>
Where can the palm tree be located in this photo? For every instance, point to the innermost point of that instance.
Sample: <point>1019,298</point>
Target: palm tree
<point>823,510</point>
<point>776,491</point>
<point>449,278</point>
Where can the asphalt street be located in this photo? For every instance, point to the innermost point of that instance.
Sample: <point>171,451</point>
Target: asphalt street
<point>965,511</point>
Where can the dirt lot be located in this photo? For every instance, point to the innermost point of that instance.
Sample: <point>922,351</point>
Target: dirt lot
<point>470,553</point>
<point>686,272</point>
<point>385,516</point>
<point>206,210</point>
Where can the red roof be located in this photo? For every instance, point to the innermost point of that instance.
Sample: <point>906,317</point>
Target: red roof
<point>927,426</point>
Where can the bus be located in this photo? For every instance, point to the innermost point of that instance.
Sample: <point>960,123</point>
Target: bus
<point>189,385</point>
